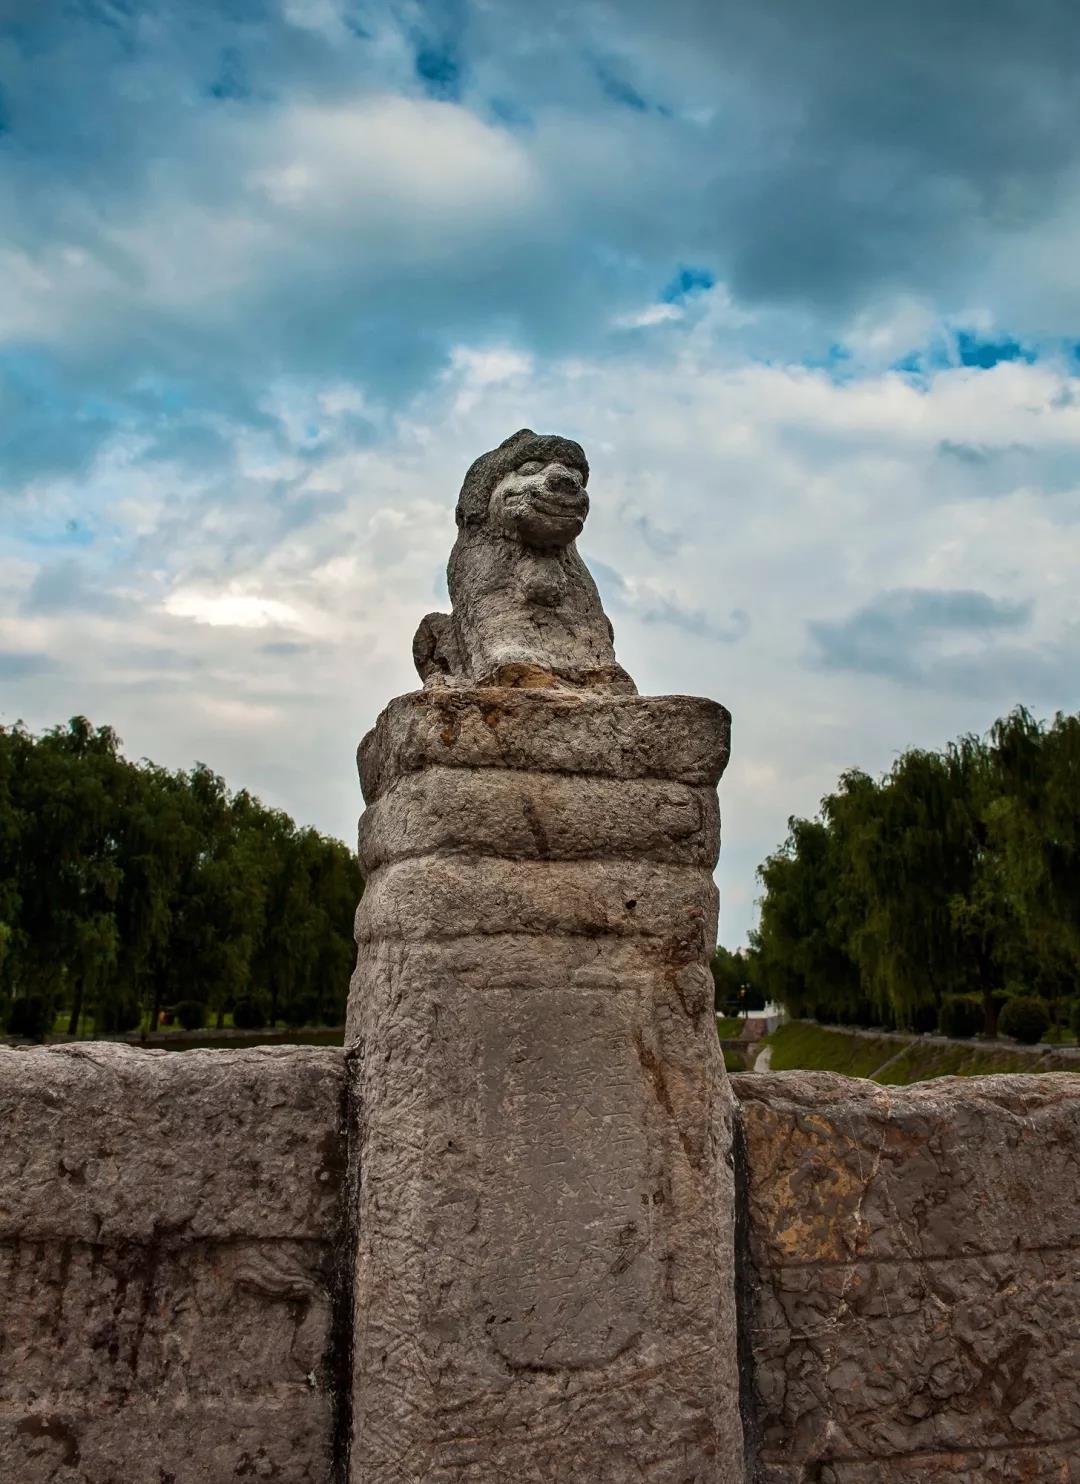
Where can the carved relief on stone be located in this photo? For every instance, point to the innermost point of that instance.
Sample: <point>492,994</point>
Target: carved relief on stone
<point>526,611</point>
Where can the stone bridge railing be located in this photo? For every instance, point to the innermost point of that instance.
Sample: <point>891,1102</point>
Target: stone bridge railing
<point>176,1264</point>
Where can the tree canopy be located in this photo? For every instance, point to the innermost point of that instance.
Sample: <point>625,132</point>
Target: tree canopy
<point>126,889</point>
<point>956,873</point>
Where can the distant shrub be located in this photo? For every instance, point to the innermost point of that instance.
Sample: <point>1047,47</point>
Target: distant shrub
<point>863,1013</point>
<point>1074,1018</point>
<point>119,1016</point>
<point>191,1014</point>
<point>924,1019</point>
<point>825,1014</point>
<point>29,1017</point>
<point>302,1009</point>
<point>249,1014</point>
<point>961,1015</point>
<point>998,1000</point>
<point>1025,1018</point>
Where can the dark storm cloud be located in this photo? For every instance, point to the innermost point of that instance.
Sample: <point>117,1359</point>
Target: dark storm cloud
<point>283,648</point>
<point>24,665</point>
<point>660,541</point>
<point>820,155</point>
<point>987,470</point>
<point>897,634</point>
<point>871,144</point>
<point>696,621</point>
<point>68,587</point>
<point>46,425</point>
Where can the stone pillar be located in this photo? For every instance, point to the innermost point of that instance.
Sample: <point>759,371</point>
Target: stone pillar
<point>544,1201</point>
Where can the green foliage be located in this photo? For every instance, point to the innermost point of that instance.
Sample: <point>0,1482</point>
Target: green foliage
<point>29,1016</point>
<point>961,1015</point>
<point>1025,1018</point>
<point>249,1014</point>
<point>924,1019</point>
<point>1074,1019</point>
<point>955,873</point>
<point>119,1015</point>
<point>125,888</point>
<point>300,1010</point>
<point>735,980</point>
<point>191,1014</point>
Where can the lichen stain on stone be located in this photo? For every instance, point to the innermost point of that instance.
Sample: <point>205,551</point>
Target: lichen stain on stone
<point>810,1203</point>
<point>51,1429</point>
<point>524,677</point>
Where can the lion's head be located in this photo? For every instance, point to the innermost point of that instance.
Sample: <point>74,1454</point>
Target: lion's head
<point>530,489</point>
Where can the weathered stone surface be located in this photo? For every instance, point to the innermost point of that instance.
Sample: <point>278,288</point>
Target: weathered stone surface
<point>664,969</point>
<point>545,1216</point>
<point>915,1298</point>
<point>167,1245</point>
<point>525,608</point>
<point>545,1191</point>
<point>453,896</point>
<point>679,738</point>
<point>527,816</point>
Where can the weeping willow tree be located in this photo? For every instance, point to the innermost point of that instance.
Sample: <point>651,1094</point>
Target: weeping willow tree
<point>125,889</point>
<point>957,872</point>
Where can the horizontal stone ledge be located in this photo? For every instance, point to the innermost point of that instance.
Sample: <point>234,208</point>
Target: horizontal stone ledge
<point>110,1144</point>
<point>682,738</point>
<point>458,896</point>
<point>425,971</point>
<point>145,1440</point>
<point>828,1274</point>
<point>1020,1463</point>
<point>601,960</point>
<point>842,1171</point>
<point>531,815</point>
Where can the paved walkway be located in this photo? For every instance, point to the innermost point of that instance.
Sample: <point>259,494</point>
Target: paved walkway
<point>763,1060</point>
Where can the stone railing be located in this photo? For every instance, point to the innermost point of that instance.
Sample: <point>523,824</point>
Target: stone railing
<point>178,1276</point>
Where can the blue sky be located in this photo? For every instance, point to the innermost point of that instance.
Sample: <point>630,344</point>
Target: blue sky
<point>803,280</point>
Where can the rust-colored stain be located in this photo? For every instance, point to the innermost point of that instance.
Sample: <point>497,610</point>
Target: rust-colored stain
<point>524,677</point>
<point>815,1192</point>
<point>450,729</point>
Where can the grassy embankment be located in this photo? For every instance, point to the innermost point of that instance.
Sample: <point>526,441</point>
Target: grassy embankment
<point>800,1046</point>
<point>728,1028</point>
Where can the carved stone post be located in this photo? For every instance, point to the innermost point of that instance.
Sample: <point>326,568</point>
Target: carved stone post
<point>544,1273</point>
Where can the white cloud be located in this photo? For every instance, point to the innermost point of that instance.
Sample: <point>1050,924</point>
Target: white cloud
<point>653,314</point>
<point>230,610</point>
<point>883,333</point>
<point>363,190</point>
<point>394,165</point>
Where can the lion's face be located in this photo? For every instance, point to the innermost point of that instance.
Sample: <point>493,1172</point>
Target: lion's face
<point>540,504</point>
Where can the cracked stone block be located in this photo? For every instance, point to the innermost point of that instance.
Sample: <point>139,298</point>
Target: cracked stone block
<point>913,1303</point>
<point>168,1227</point>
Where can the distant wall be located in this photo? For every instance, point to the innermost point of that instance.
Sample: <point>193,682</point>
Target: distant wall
<point>910,1279</point>
<point>171,1305</point>
<point>167,1251</point>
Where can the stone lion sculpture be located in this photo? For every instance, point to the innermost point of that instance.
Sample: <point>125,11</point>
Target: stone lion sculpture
<point>526,611</point>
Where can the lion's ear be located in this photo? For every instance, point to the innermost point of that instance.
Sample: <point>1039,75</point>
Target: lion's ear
<point>517,437</point>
